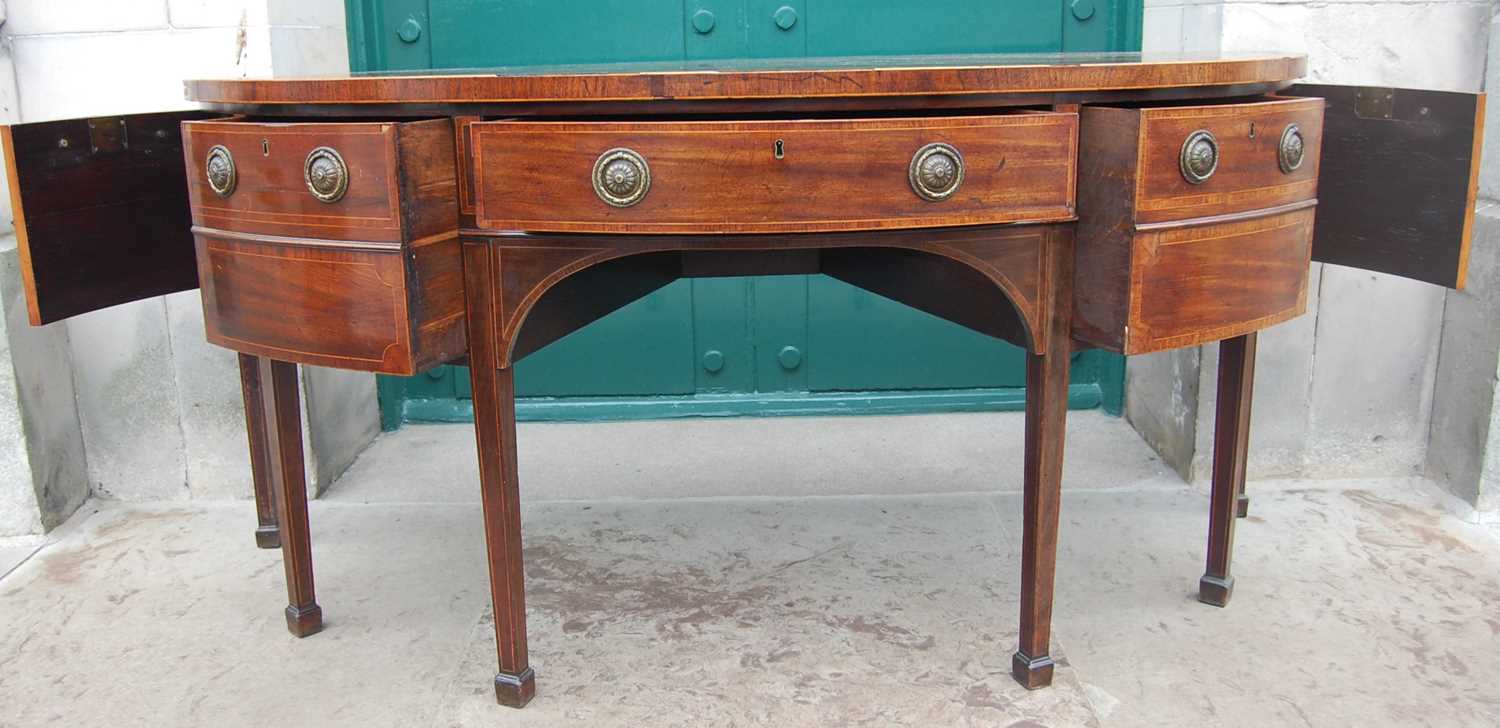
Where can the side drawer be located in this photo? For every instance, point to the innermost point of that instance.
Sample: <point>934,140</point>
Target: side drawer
<point>1195,221</point>
<point>773,176</point>
<point>336,181</point>
<point>1191,285</point>
<point>380,309</point>
<point>1183,162</point>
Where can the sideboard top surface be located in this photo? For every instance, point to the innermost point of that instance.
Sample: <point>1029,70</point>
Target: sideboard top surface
<point>972,79</point>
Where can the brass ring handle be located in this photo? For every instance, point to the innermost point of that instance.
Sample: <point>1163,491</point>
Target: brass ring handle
<point>1200,157</point>
<point>1289,152</point>
<point>326,174</point>
<point>936,171</point>
<point>219,168</point>
<point>621,177</point>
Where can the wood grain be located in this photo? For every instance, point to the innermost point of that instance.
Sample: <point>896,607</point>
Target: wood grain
<point>463,145</point>
<point>1400,174</point>
<point>282,413</point>
<point>402,179</point>
<point>499,487</point>
<point>1231,448</point>
<point>723,177</point>
<point>1059,73</point>
<point>1249,176</point>
<point>1046,431</point>
<point>529,266</point>
<point>271,196</point>
<point>1108,157</point>
<point>367,309</point>
<point>1195,284</point>
<point>1163,263</point>
<point>267,533</point>
<point>99,227</point>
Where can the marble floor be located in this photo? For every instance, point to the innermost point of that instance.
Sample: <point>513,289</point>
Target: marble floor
<point>1357,603</point>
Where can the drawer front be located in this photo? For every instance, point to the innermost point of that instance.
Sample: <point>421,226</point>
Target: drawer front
<point>1195,284</point>
<point>332,305</point>
<point>774,176</point>
<point>322,180</point>
<point>1249,174</point>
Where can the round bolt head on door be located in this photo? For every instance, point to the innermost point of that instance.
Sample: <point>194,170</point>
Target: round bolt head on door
<point>704,22</point>
<point>785,17</point>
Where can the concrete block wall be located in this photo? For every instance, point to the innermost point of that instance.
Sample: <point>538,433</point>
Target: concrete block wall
<point>1350,389</point>
<point>132,402</point>
<point>1464,447</point>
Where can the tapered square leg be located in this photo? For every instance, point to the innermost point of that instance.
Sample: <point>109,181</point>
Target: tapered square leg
<point>495,430</point>
<point>1231,444</point>
<point>1046,427</point>
<point>267,533</point>
<point>282,412</point>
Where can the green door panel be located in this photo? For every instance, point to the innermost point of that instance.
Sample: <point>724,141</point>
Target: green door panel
<point>388,35</point>
<point>778,312</point>
<point>744,29</point>
<point>476,33</point>
<point>869,342</point>
<point>644,348</point>
<point>776,28</point>
<point>722,351</point>
<point>1097,25</point>
<point>741,346</point>
<point>714,29</point>
<point>899,27</point>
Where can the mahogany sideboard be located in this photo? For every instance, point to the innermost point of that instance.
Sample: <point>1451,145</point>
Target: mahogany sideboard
<point>393,223</point>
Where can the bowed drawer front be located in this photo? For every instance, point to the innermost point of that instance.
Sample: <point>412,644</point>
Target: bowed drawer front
<point>1241,144</point>
<point>774,176</point>
<point>371,181</point>
<point>329,243</point>
<point>368,309</point>
<point>1195,222</point>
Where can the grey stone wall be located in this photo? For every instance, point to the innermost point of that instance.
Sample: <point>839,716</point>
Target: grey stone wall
<point>43,465</point>
<point>132,402</point>
<point>1464,443</point>
<point>1357,386</point>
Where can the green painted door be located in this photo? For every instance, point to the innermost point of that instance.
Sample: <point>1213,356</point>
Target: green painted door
<point>725,346</point>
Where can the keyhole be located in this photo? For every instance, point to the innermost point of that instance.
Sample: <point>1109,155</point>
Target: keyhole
<point>1252,130</point>
<point>780,149</point>
<point>265,147</point>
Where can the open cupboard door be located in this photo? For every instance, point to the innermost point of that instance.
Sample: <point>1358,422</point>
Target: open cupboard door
<point>1400,168</point>
<point>101,211</point>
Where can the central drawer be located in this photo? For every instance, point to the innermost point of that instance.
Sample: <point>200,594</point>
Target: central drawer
<point>774,176</point>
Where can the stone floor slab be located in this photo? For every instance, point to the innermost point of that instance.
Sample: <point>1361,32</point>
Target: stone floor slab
<point>1357,603</point>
